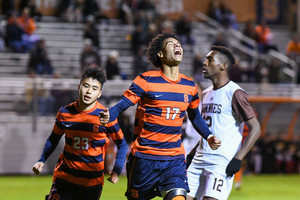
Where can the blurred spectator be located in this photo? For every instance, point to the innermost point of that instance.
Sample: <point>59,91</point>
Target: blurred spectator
<point>72,11</point>
<point>91,7</point>
<point>126,11</point>
<point>29,26</point>
<point>89,55</point>
<point>34,13</point>
<point>146,5</point>
<point>219,40</point>
<point>39,62</point>
<point>214,11</point>
<point>7,7</point>
<point>136,39</point>
<point>183,29</point>
<point>228,18</point>
<point>14,36</point>
<point>250,32</point>
<point>112,66</point>
<point>140,64</point>
<point>198,67</point>
<point>265,37</point>
<point>293,47</point>
<point>274,69</point>
<point>91,31</point>
<point>152,32</point>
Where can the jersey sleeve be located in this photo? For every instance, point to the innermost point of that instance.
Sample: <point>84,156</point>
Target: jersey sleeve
<point>115,133</point>
<point>137,90</point>
<point>241,106</point>
<point>195,100</point>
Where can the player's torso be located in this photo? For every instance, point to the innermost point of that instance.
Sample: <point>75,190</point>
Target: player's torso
<point>86,142</point>
<point>161,112</point>
<point>216,110</point>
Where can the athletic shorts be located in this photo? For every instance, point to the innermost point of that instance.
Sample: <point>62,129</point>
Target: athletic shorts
<point>209,181</point>
<point>147,178</point>
<point>63,190</point>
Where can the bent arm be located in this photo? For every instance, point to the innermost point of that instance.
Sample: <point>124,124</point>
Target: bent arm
<point>198,122</point>
<point>120,107</point>
<point>254,132</point>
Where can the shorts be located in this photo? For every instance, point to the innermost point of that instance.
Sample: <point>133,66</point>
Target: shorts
<point>63,190</point>
<point>209,181</point>
<point>148,178</point>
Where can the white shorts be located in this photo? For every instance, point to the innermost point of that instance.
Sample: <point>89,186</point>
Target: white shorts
<point>209,181</point>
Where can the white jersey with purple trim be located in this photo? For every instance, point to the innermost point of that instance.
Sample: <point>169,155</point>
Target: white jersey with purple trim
<point>216,110</point>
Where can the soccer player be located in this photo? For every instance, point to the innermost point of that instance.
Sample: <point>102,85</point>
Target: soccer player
<point>79,172</point>
<point>225,107</point>
<point>156,165</point>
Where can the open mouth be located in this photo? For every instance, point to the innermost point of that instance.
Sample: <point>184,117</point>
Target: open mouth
<point>177,52</point>
<point>87,98</point>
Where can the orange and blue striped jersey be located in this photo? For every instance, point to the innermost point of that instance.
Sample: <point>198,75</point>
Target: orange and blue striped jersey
<point>86,142</point>
<point>162,105</point>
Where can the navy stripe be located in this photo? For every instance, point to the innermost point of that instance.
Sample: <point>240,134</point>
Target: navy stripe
<point>69,141</point>
<point>158,157</point>
<point>159,145</point>
<point>86,159</point>
<point>78,126</point>
<point>69,109</point>
<point>184,81</point>
<point>182,114</point>
<point>168,96</point>
<point>137,90</point>
<point>96,112</point>
<point>113,129</point>
<point>97,143</point>
<point>157,79</point>
<point>81,173</point>
<point>195,97</point>
<point>153,111</point>
<point>162,129</point>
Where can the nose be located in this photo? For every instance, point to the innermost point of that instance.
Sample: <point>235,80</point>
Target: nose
<point>177,45</point>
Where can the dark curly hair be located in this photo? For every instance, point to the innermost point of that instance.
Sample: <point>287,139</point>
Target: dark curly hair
<point>95,72</point>
<point>225,53</point>
<point>156,45</point>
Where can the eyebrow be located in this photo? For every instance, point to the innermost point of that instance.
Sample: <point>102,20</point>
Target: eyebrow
<point>170,42</point>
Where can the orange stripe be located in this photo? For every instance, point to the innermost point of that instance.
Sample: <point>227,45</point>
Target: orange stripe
<point>69,117</point>
<point>131,172</point>
<point>154,151</point>
<point>161,120</point>
<point>79,181</point>
<point>89,152</point>
<point>161,137</point>
<point>84,166</point>
<point>167,87</point>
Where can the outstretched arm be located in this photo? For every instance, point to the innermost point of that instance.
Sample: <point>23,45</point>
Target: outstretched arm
<point>111,114</point>
<point>201,127</point>
<point>49,147</point>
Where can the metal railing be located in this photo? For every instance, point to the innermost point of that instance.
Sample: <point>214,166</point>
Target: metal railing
<point>235,41</point>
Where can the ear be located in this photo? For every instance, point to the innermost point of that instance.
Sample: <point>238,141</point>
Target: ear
<point>224,66</point>
<point>160,54</point>
<point>100,93</point>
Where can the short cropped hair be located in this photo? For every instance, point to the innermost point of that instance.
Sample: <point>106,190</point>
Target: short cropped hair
<point>95,72</point>
<point>156,45</point>
<point>226,54</point>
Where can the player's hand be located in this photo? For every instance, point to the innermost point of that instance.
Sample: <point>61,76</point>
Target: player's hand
<point>214,142</point>
<point>38,167</point>
<point>114,177</point>
<point>104,116</point>
<point>233,167</point>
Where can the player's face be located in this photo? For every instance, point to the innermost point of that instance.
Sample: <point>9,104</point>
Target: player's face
<point>212,65</point>
<point>89,91</point>
<point>171,53</point>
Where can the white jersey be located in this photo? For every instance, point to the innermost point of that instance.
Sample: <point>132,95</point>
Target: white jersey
<point>218,111</point>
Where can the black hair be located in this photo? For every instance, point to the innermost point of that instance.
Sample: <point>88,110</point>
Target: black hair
<point>225,52</point>
<point>156,45</point>
<point>95,72</point>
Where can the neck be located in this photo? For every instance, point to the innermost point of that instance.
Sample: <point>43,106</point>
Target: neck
<point>171,73</point>
<point>220,81</point>
<point>84,107</point>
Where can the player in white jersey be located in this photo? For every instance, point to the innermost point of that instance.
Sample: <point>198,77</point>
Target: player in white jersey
<point>225,107</point>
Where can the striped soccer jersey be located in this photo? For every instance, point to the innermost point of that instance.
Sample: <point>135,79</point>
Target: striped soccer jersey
<point>224,110</point>
<point>162,104</point>
<point>86,142</point>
